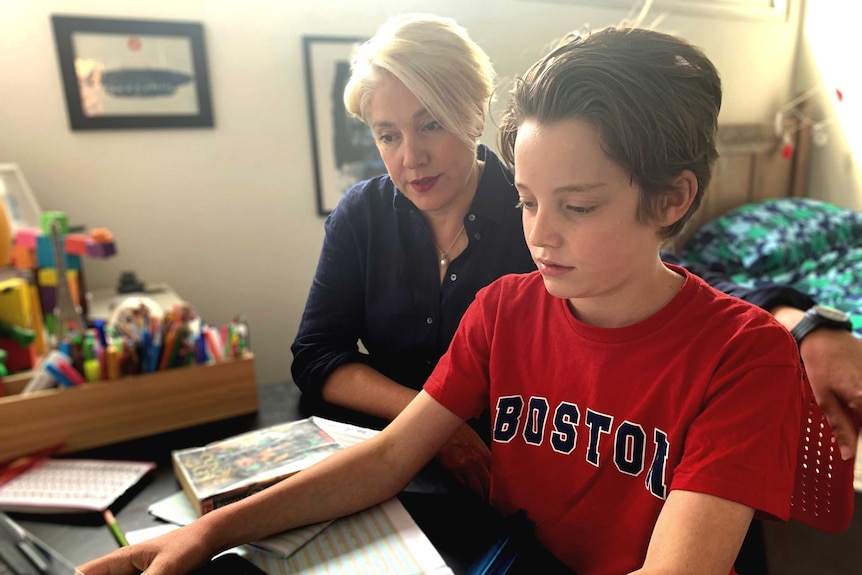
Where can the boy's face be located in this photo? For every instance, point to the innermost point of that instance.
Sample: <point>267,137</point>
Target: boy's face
<point>580,214</point>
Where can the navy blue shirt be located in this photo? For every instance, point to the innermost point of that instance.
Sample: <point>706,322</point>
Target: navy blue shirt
<point>378,281</point>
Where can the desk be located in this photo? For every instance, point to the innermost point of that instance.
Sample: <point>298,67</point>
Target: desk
<point>457,524</point>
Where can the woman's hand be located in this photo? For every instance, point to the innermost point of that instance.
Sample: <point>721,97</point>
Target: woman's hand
<point>174,553</point>
<point>833,361</point>
<point>467,457</point>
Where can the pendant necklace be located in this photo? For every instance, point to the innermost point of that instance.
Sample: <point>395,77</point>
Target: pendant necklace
<point>444,255</point>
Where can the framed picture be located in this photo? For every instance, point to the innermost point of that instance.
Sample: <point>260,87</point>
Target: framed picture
<point>343,147</point>
<point>21,207</point>
<point>133,73</point>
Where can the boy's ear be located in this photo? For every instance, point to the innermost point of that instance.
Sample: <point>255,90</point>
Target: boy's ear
<point>675,203</point>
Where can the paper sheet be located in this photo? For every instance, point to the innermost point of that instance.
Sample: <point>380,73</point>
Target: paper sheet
<point>178,509</point>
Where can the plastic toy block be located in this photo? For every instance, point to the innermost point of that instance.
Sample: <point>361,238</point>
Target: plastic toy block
<point>48,298</point>
<point>38,323</point>
<point>45,252</point>
<point>101,235</point>
<point>45,255</point>
<point>48,219</point>
<point>15,303</point>
<point>76,244</point>
<point>101,250</point>
<point>73,262</point>
<point>23,258</point>
<point>47,277</point>
<point>26,237</point>
<point>72,282</point>
<point>18,357</point>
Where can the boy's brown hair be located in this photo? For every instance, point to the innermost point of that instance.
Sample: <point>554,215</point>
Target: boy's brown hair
<point>654,98</point>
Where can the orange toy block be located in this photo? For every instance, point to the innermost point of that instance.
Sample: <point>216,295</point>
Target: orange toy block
<point>101,235</point>
<point>23,258</point>
<point>76,244</point>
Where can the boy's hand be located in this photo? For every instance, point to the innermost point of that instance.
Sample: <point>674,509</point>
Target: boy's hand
<point>467,457</point>
<point>175,553</point>
<point>833,361</point>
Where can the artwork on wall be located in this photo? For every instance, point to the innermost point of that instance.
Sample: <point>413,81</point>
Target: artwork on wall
<point>21,207</point>
<point>133,73</point>
<point>343,147</point>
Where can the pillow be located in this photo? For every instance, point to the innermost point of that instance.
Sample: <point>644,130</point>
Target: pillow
<point>774,235</point>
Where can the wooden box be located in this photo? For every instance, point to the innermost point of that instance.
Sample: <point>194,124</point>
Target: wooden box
<point>97,414</point>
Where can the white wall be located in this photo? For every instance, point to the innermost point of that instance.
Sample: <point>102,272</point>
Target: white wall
<point>227,215</point>
<point>824,60</point>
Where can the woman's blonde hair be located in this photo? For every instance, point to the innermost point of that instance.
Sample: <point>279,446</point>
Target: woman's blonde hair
<point>437,61</point>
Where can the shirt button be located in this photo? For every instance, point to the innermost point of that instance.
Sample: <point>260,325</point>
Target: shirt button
<point>429,320</point>
<point>453,277</point>
<point>472,217</point>
<point>477,236</point>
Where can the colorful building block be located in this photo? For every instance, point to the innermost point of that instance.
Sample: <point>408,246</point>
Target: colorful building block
<point>48,298</point>
<point>47,277</point>
<point>48,219</point>
<point>18,357</point>
<point>76,244</point>
<point>27,237</point>
<point>23,258</point>
<point>45,255</point>
<point>101,250</point>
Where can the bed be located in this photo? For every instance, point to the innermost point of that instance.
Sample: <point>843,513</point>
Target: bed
<point>758,225</point>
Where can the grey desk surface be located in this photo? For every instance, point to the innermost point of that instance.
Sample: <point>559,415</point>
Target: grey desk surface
<point>458,524</point>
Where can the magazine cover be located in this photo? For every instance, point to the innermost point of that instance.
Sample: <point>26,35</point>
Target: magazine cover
<point>228,470</point>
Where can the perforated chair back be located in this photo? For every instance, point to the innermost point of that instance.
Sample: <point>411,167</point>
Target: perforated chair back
<point>823,490</point>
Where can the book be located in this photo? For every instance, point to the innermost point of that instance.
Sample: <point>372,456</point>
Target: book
<point>71,485</point>
<point>231,469</point>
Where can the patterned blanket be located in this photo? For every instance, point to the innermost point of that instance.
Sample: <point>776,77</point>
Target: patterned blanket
<point>811,245</point>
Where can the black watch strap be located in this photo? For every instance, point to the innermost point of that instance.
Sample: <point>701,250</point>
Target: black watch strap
<point>814,319</point>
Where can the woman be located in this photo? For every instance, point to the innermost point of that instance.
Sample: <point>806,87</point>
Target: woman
<point>405,253</point>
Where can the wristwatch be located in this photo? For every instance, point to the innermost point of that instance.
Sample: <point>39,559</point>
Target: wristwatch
<point>820,316</point>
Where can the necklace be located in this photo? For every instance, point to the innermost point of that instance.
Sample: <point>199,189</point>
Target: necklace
<point>444,259</point>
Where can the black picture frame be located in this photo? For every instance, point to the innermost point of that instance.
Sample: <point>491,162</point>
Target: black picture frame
<point>343,148</point>
<point>123,74</point>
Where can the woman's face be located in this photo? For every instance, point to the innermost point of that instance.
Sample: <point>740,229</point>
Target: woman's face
<point>428,164</point>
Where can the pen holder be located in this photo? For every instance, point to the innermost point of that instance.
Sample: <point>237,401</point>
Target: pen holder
<point>95,414</point>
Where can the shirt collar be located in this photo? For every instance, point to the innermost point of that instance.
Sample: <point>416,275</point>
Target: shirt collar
<point>490,200</point>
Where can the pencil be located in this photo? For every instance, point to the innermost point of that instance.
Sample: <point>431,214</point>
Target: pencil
<point>115,529</point>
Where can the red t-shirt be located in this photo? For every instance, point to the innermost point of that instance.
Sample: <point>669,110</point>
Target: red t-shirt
<point>593,427</point>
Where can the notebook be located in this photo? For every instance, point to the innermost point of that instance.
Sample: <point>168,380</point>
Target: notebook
<point>71,485</point>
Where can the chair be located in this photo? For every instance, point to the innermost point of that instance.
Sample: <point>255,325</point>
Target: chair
<point>823,489</point>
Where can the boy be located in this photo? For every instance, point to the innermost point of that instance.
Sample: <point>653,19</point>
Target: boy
<point>639,417</point>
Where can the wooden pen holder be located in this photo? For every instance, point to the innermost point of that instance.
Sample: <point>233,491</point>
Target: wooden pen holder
<point>102,413</point>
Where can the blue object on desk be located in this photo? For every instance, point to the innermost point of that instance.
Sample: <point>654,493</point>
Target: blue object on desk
<point>518,552</point>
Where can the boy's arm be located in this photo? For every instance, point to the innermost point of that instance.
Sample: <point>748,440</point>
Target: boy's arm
<point>361,388</point>
<point>351,480</point>
<point>696,534</point>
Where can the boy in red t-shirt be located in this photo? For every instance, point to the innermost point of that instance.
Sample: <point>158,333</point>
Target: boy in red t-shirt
<point>639,417</point>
